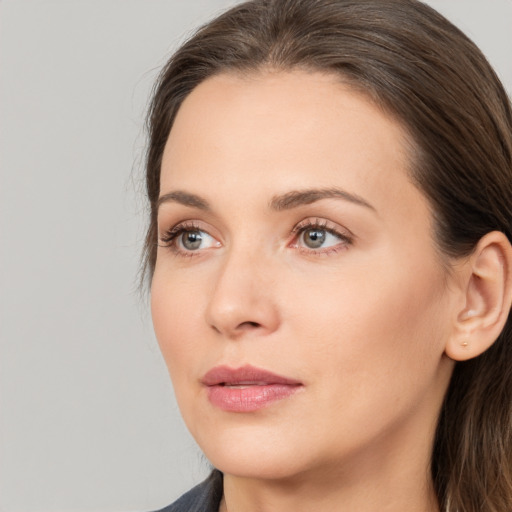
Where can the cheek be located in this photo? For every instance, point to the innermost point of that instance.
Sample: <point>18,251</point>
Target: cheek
<point>176,314</point>
<point>370,345</point>
<point>374,332</point>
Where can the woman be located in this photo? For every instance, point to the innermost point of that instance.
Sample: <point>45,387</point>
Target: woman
<point>330,259</point>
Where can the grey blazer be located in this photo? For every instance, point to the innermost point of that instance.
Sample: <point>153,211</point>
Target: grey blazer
<point>204,497</point>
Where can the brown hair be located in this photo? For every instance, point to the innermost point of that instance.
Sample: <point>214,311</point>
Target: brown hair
<point>429,75</point>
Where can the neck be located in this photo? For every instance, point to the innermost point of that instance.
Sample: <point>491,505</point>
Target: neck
<point>241,495</point>
<point>383,479</point>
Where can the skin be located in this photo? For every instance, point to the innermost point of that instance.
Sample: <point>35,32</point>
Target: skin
<point>362,322</point>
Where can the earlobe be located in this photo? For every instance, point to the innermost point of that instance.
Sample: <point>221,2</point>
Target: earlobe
<point>487,298</point>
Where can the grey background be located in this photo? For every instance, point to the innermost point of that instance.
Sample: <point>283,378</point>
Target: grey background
<point>87,417</point>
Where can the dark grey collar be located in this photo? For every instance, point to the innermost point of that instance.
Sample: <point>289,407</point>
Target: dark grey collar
<point>204,497</point>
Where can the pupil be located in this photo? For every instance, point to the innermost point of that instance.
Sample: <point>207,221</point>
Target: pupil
<point>314,238</point>
<point>192,240</point>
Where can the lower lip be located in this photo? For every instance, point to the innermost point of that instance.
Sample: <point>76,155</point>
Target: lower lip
<point>249,398</point>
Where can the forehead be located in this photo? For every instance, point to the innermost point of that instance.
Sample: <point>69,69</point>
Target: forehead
<point>272,131</point>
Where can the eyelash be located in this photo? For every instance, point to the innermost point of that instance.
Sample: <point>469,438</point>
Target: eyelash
<point>168,240</point>
<point>170,236</point>
<point>346,239</point>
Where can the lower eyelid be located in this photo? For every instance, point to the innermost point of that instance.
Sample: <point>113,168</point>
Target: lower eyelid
<point>326,251</point>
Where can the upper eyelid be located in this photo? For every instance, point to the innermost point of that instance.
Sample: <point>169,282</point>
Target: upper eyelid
<point>323,224</point>
<point>170,238</point>
<point>309,222</point>
<point>184,225</point>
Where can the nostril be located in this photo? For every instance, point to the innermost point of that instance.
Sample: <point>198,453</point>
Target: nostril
<point>248,325</point>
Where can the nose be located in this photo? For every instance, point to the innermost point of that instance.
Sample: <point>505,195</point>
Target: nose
<point>243,298</point>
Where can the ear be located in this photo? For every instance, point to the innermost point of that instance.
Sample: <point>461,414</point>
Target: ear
<point>487,288</point>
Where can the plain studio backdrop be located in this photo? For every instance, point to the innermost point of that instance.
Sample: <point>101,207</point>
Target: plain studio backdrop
<point>88,421</point>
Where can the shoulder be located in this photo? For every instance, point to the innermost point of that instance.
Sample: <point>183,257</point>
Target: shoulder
<point>204,497</point>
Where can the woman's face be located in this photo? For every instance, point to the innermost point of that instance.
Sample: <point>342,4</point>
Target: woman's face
<point>298,297</point>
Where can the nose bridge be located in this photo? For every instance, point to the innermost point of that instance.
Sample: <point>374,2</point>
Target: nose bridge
<point>242,299</point>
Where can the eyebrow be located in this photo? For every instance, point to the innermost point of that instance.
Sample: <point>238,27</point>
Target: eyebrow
<point>184,198</point>
<point>298,198</point>
<point>286,201</point>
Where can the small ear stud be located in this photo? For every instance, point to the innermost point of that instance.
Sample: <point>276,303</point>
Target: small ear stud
<point>464,343</point>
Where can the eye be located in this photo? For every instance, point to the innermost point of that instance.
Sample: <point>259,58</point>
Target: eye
<point>194,240</point>
<point>184,239</point>
<point>314,238</point>
<point>320,237</point>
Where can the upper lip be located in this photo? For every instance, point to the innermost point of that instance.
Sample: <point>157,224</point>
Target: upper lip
<point>245,375</point>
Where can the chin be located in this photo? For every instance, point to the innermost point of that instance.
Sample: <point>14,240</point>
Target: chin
<point>256,466</point>
<point>253,454</point>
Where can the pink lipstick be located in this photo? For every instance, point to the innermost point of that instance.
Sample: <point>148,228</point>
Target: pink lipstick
<point>246,389</point>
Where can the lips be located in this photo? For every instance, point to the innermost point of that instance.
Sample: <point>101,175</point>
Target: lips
<point>246,389</point>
